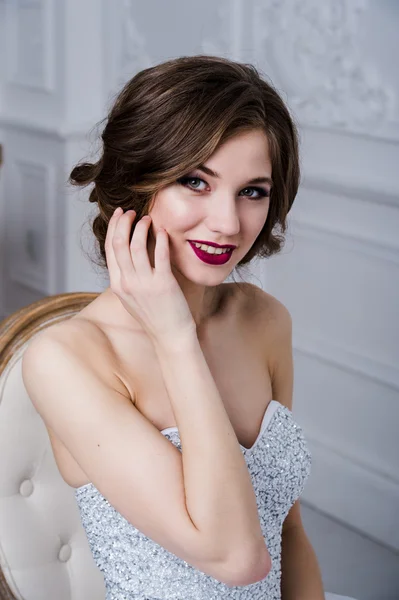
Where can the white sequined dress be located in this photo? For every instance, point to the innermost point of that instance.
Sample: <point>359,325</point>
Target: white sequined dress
<point>137,568</point>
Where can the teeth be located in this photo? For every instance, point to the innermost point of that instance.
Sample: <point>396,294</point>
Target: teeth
<point>212,249</point>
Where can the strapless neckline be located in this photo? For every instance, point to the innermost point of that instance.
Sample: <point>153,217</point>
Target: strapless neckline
<point>267,418</point>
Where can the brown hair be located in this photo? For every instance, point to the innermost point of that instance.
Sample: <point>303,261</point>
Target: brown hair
<point>170,118</point>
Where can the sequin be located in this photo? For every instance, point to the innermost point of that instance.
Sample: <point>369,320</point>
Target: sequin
<point>137,568</point>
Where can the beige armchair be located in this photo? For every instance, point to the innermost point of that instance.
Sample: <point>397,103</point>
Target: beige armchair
<point>44,553</point>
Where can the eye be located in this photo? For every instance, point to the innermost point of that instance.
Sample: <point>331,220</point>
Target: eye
<point>262,193</point>
<point>187,182</point>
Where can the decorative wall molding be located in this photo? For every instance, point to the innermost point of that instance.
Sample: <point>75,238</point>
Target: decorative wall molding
<point>231,16</point>
<point>352,242</point>
<point>375,494</point>
<point>134,55</point>
<point>29,221</point>
<point>352,362</point>
<point>326,78</point>
<point>351,189</point>
<point>330,444</point>
<point>55,131</point>
<point>30,44</point>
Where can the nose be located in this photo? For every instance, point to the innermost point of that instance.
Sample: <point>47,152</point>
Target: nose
<point>223,216</point>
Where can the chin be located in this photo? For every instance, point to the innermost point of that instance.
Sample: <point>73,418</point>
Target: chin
<point>210,279</point>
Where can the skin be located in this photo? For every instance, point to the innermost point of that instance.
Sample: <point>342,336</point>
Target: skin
<point>225,210</point>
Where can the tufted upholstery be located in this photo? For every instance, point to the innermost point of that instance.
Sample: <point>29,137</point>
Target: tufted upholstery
<point>44,553</point>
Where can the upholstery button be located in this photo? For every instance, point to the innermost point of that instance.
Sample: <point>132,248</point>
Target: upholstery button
<point>26,488</point>
<point>65,553</point>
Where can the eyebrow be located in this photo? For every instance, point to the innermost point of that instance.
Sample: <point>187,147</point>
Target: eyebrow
<point>209,171</point>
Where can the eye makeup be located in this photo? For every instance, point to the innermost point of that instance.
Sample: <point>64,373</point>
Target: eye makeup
<point>185,182</point>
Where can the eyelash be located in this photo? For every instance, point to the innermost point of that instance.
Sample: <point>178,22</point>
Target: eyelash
<point>262,192</point>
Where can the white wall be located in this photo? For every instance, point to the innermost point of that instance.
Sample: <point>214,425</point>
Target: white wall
<point>338,273</point>
<point>334,62</point>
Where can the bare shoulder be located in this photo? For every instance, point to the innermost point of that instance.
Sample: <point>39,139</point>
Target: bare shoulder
<point>78,334</point>
<point>87,342</point>
<point>271,324</point>
<point>263,308</point>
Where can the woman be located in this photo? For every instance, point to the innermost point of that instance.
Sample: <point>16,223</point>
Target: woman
<point>168,399</point>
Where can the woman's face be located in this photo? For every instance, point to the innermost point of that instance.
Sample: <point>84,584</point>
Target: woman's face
<point>225,208</point>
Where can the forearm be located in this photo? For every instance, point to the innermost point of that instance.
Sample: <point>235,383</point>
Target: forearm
<point>300,573</point>
<point>220,497</point>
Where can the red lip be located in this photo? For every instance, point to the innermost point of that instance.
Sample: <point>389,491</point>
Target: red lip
<point>211,259</point>
<point>213,244</point>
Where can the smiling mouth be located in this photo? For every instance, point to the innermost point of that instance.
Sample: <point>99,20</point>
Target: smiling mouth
<point>214,245</point>
<point>212,259</point>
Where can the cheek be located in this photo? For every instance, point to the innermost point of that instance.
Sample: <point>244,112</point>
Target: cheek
<point>173,211</point>
<point>177,219</point>
<point>256,223</point>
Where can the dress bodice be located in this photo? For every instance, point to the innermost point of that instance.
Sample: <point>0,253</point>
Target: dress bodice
<point>137,568</point>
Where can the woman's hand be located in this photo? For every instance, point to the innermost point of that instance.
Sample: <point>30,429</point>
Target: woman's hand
<point>152,296</point>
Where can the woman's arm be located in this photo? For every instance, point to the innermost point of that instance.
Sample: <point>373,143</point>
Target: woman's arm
<point>300,572</point>
<point>219,493</point>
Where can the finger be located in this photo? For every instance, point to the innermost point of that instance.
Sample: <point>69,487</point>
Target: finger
<point>138,247</point>
<point>161,253</point>
<point>120,245</point>
<point>112,265</point>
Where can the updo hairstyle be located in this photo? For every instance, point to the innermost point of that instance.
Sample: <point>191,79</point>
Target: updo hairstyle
<point>170,118</point>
